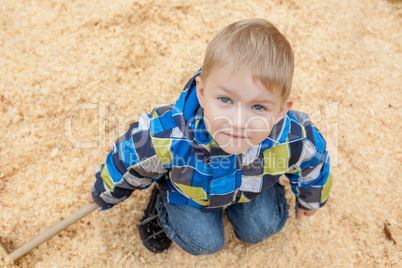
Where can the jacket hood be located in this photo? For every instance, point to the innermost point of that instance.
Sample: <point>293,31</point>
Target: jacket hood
<point>188,114</point>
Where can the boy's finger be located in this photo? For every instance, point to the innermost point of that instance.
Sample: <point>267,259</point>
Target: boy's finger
<point>90,199</point>
<point>309,212</point>
<point>299,214</point>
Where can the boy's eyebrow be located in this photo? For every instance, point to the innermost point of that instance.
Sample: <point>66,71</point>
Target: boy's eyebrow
<point>225,89</point>
<point>262,100</point>
<point>259,100</point>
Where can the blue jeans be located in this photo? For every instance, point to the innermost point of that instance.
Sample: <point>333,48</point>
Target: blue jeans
<point>200,233</point>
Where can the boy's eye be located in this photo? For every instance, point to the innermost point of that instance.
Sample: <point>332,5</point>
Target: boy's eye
<point>224,100</point>
<point>258,107</point>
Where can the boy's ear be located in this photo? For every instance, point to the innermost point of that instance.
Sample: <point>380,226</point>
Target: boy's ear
<point>287,104</point>
<point>200,90</point>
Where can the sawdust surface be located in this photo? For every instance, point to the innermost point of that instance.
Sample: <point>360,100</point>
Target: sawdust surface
<point>74,74</point>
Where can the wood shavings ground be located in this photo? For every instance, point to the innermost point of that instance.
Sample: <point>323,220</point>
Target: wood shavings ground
<point>97,65</point>
<point>388,232</point>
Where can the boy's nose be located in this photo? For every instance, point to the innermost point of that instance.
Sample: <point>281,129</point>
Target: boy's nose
<point>239,118</point>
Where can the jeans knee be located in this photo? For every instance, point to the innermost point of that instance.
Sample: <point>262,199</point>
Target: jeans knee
<point>253,239</point>
<point>207,250</point>
<point>215,246</point>
<point>202,246</point>
<point>257,233</point>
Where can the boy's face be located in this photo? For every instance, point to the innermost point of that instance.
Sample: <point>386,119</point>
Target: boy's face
<point>239,112</point>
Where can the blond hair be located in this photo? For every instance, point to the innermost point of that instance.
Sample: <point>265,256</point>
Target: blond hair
<point>255,45</point>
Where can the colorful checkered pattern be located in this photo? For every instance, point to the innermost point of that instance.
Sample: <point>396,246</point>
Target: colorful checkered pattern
<point>173,147</point>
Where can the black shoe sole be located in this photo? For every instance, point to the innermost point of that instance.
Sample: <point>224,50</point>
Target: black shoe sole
<point>151,232</point>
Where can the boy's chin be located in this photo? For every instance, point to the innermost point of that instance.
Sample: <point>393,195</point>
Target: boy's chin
<point>233,146</point>
<point>234,150</point>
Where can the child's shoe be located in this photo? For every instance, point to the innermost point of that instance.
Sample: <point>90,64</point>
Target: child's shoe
<point>151,231</point>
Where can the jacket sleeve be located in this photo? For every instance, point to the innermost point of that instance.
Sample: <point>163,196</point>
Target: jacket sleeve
<point>311,179</point>
<point>132,164</point>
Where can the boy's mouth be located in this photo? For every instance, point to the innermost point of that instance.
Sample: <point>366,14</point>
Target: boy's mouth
<point>234,136</point>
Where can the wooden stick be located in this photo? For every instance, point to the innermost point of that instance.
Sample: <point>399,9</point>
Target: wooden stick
<point>55,229</point>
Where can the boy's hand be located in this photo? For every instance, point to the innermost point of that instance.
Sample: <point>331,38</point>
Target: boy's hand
<point>301,212</point>
<point>90,199</point>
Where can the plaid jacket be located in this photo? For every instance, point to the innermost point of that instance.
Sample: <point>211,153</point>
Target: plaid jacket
<point>172,146</point>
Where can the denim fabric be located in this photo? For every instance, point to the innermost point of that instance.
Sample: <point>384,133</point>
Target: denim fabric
<point>200,233</point>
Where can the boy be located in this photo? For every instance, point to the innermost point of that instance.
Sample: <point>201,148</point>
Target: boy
<point>222,146</point>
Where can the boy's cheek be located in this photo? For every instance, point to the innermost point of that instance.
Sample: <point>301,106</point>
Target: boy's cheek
<point>260,122</point>
<point>258,130</point>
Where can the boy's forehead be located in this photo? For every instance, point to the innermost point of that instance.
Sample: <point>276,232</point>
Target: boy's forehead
<point>224,74</point>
